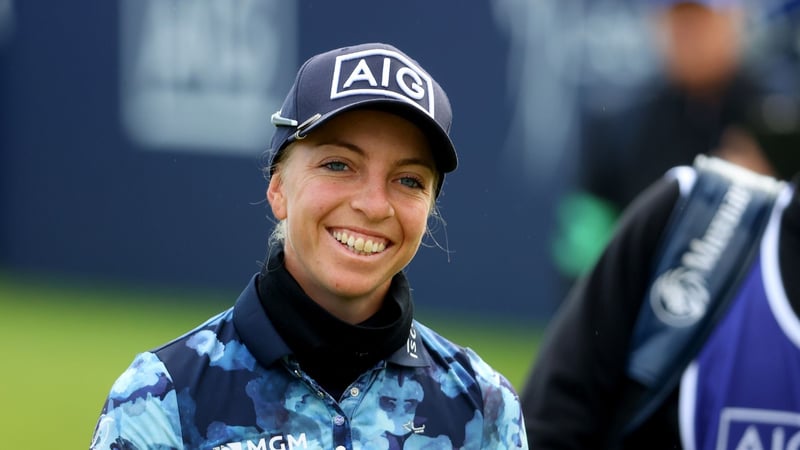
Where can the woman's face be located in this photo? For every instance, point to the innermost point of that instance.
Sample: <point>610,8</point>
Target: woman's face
<point>356,194</point>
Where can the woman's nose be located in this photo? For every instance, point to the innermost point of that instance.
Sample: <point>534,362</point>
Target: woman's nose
<point>373,200</point>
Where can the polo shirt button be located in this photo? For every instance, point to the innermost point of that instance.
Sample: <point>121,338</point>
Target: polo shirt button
<point>338,420</point>
<point>354,392</point>
<point>340,447</point>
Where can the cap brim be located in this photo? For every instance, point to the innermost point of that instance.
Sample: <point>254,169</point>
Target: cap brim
<point>444,152</point>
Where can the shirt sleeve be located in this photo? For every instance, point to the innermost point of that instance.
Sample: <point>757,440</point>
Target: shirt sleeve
<point>502,422</point>
<point>570,396</point>
<point>141,411</point>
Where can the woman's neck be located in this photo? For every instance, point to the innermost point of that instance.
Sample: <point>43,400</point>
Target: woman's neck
<point>333,351</point>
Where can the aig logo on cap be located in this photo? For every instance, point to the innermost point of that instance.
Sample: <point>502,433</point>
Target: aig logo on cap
<point>382,72</point>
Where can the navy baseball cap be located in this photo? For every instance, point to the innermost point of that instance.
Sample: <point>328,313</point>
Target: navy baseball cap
<point>370,75</point>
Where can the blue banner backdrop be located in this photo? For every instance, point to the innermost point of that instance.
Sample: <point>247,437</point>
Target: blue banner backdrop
<point>131,136</point>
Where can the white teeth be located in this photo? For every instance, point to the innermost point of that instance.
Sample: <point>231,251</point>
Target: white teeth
<point>359,245</point>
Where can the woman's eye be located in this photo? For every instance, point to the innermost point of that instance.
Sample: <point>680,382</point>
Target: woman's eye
<point>336,166</point>
<point>411,182</point>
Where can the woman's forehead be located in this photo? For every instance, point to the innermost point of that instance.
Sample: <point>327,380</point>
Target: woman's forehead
<point>366,131</point>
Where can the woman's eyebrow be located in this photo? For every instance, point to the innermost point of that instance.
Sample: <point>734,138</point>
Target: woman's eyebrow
<point>344,144</point>
<point>413,161</point>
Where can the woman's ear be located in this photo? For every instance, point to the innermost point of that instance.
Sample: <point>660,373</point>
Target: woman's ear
<point>276,197</point>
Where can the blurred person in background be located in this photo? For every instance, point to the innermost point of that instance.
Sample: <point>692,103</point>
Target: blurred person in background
<point>676,339</point>
<point>735,386</point>
<point>698,103</point>
<point>321,350</point>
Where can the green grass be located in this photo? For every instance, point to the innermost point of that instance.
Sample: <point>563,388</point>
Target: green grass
<point>64,344</point>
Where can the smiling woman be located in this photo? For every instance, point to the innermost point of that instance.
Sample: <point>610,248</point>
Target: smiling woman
<point>366,176</point>
<point>322,348</point>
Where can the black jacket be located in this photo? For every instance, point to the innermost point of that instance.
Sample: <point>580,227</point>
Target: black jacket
<point>625,152</point>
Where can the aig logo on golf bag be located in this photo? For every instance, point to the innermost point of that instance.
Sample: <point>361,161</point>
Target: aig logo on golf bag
<point>746,428</point>
<point>383,72</point>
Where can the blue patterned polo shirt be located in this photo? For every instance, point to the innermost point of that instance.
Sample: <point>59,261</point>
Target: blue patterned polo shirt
<point>232,384</point>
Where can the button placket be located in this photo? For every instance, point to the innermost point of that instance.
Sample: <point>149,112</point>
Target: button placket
<point>341,431</point>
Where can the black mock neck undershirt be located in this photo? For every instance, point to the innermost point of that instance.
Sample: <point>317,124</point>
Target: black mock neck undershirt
<point>333,352</point>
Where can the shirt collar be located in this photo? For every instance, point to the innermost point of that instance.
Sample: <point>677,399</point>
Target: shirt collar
<point>262,340</point>
<point>255,329</point>
<point>414,353</point>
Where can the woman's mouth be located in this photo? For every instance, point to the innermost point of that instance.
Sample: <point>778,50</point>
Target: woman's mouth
<point>358,244</point>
